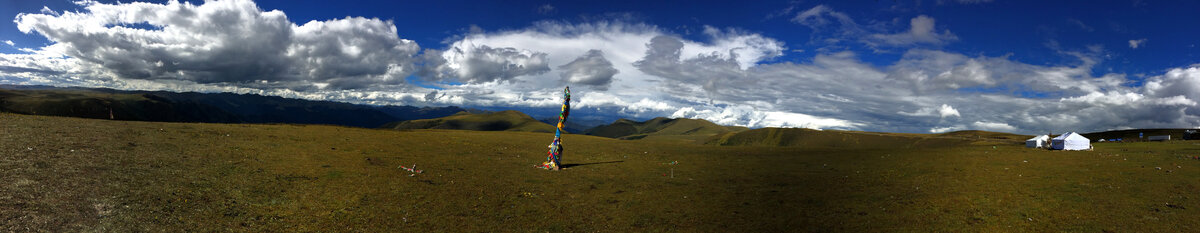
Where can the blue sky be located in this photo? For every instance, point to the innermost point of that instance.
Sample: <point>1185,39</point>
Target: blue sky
<point>903,66</point>
<point>1023,30</point>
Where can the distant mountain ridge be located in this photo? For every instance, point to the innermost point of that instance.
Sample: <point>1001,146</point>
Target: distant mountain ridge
<point>202,107</point>
<point>510,120</point>
<point>1133,134</point>
<point>662,128</point>
<point>571,126</point>
<point>811,138</point>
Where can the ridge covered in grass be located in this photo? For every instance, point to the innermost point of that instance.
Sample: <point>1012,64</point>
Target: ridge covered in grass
<point>494,121</point>
<point>101,105</point>
<point>662,128</point>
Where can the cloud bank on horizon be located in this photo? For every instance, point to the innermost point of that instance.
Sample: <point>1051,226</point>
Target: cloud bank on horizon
<point>729,76</point>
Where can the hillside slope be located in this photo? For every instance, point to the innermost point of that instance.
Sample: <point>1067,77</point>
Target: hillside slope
<point>100,105</point>
<point>495,121</point>
<point>984,136</point>
<point>680,129</point>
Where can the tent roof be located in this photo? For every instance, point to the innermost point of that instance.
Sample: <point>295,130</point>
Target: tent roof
<point>1071,135</point>
<point>1039,137</point>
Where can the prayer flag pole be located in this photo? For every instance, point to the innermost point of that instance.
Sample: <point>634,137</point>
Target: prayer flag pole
<point>555,153</point>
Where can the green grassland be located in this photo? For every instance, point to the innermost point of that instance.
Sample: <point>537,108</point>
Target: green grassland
<point>494,121</point>
<point>71,174</point>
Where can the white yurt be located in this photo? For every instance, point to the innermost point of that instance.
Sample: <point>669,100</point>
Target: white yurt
<point>1070,141</point>
<point>1037,142</point>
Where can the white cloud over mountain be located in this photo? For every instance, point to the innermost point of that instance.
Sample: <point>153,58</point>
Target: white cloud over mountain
<point>473,63</point>
<point>725,75</point>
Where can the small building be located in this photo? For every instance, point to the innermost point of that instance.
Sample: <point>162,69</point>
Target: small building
<point>1071,141</point>
<point>1037,142</point>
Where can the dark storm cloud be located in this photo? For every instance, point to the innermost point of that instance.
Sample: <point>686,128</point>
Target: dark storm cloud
<point>589,69</point>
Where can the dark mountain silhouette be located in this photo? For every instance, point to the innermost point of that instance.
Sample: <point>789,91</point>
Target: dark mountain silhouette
<point>202,107</point>
<point>1131,135</point>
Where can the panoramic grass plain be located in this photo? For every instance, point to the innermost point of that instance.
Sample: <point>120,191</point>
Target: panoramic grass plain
<point>72,174</point>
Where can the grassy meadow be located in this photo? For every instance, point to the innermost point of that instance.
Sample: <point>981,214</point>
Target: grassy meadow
<point>71,174</point>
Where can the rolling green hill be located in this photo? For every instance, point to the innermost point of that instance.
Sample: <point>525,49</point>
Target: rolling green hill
<point>101,105</point>
<point>494,121</point>
<point>680,129</point>
<point>810,138</point>
<point>985,136</point>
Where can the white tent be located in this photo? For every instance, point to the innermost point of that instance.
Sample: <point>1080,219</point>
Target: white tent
<point>1070,141</point>
<point>1037,142</point>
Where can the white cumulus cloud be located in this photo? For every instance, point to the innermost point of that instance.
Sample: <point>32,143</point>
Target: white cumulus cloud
<point>922,30</point>
<point>1134,44</point>
<point>993,126</point>
<point>947,129</point>
<point>228,41</point>
<point>944,111</point>
<point>749,117</point>
<point>473,63</point>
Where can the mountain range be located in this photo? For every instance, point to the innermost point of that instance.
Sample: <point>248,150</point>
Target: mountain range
<point>250,108</point>
<point>203,107</point>
<point>492,121</point>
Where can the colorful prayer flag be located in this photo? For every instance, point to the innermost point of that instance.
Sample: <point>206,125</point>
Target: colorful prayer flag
<point>556,149</point>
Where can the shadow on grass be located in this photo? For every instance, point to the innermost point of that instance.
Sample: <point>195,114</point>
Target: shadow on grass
<point>570,165</point>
